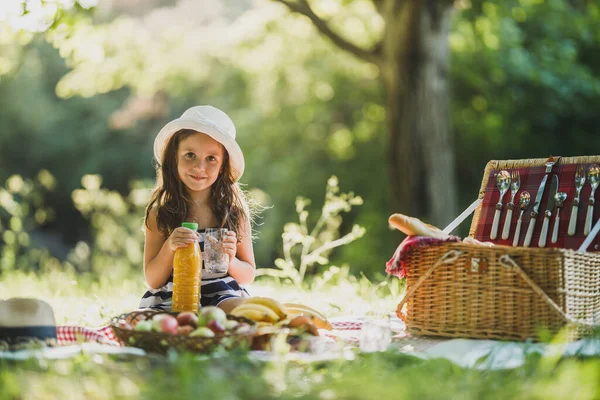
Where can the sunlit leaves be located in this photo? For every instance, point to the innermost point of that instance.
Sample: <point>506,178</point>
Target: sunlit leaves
<point>306,247</point>
<point>22,210</point>
<point>148,54</point>
<point>116,222</point>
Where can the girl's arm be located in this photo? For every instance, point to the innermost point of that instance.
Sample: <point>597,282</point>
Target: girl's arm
<point>242,267</point>
<point>159,252</point>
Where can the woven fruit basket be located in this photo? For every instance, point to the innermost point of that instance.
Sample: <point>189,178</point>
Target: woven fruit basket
<point>465,290</point>
<point>123,327</point>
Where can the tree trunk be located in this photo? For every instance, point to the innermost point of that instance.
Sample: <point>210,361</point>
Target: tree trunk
<point>414,72</point>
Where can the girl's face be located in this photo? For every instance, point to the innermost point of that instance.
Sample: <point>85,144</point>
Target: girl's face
<point>199,160</point>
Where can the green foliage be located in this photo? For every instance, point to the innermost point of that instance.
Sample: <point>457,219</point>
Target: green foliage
<point>22,211</point>
<point>370,376</point>
<point>304,248</point>
<point>524,78</point>
<point>117,226</point>
<point>525,83</point>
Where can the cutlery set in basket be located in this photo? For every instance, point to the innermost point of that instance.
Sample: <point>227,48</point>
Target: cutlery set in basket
<point>541,197</point>
<point>542,275</point>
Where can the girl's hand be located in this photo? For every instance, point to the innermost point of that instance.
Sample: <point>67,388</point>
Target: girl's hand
<point>181,237</point>
<point>230,244</point>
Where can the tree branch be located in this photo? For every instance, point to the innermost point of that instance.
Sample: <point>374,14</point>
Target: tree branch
<point>302,7</point>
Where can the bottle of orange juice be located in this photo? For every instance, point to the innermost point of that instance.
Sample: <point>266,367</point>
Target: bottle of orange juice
<point>187,269</point>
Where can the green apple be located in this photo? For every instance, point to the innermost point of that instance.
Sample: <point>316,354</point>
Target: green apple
<point>203,331</point>
<point>211,313</point>
<point>144,326</point>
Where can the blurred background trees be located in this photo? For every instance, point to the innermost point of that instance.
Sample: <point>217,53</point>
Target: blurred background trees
<point>86,85</point>
<point>412,58</point>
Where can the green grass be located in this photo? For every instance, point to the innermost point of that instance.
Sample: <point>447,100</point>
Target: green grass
<point>91,301</point>
<point>376,376</point>
<point>391,375</point>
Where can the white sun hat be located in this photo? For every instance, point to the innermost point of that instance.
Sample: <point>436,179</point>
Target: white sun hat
<point>211,121</point>
<point>22,319</point>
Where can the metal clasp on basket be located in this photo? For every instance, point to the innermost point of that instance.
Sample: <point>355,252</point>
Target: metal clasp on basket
<point>476,265</point>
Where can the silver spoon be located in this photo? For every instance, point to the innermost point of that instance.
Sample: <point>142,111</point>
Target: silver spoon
<point>503,183</point>
<point>559,199</point>
<point>594,177</point>
<point>524,200</point>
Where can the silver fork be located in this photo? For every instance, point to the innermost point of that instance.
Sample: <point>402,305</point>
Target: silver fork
<point>515,184</point>
<point>503,183</point>
<point>593,175</point>
<point>579,181</point>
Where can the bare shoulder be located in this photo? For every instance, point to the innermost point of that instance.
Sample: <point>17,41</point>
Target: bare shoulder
<point>151,221</point>
<point>246,228</point>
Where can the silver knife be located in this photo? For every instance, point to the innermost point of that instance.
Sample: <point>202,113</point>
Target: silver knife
<point>536,206</point>
<point>548,213</point>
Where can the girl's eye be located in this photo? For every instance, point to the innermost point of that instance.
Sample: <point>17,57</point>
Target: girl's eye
<point>212,158</point>
<point>190,156</point>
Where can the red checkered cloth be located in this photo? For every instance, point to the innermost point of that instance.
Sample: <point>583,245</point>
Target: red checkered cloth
<point>76,334</point>
<point>348,325</point>
<point>397,264</point>
<point>347,330</point>
<point>531,177</point>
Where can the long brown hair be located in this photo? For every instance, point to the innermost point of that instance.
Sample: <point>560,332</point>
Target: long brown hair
<point>228,202</point>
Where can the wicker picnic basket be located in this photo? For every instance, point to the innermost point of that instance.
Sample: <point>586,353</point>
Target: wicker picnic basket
<point>456,289</point>
<point>159,342</point>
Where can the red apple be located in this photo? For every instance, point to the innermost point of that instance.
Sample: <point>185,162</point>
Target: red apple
<point>166,324</point>
<point>216,326</point>
<point>155,321</point>
<point>188,318</point>
<point>185,330</point>
<point>210,313</point>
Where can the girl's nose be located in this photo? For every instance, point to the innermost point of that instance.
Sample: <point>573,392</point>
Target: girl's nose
<point>199,165</point>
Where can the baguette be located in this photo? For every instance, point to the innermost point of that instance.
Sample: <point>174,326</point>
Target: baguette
<point>415,227</point>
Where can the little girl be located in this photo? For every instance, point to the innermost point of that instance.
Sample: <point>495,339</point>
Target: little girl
<point>200,164</point>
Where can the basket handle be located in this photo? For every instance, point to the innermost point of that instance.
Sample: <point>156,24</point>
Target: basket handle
<point>450,256</point>
<point>509,263</point>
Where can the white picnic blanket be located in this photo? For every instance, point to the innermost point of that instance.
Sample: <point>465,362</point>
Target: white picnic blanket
<point>494,354</point>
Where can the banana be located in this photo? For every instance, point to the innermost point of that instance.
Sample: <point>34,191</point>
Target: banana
<point>304,307</point>
<point>283,322</point>
<point>255,312</point>
<point>261,324</point>
<point>273,304</point>
<point>267,330</point>
<point>318,319</point>
<point>253,315</point>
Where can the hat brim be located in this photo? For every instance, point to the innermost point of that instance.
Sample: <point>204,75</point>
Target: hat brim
<point>236,157</point>
<point>13,335</point>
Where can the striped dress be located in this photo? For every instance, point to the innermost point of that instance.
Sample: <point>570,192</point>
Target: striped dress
<point>214,289</point>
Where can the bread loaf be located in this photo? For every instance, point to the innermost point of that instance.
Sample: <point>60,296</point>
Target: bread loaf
<point>415,227</point>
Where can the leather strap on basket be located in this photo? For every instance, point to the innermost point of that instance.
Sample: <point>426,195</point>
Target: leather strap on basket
<point>449,257</point>
<point>509,263</point>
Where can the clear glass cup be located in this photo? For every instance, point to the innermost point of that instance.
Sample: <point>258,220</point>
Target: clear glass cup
<point>375,334</point>
<point>216,259</point>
